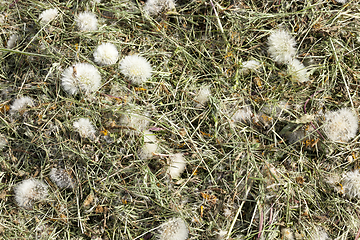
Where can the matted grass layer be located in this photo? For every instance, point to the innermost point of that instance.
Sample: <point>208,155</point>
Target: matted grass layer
<point>243,178</point>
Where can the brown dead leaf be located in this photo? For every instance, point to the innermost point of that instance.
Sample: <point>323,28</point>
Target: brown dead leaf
<point>4,108</point>
<point>99,209</point>
<point>3,195</point>
<point>300,180</point>
<point>89,199</point>
<point>63,217</point>
<point>210,198</point>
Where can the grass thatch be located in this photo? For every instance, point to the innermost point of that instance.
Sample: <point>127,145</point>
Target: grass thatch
<point>242,178</point>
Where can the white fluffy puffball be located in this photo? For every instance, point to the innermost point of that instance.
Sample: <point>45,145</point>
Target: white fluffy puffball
<point>177,165</point>
<point>136,68</point>
<point>341,125</point>
<point>319,233</point>
<point>29,191</point>
<point>351,183</point>
<point>298,71</point>
<point>221,234</point>
<point>86,21</point>
<point>150,145</point>
<point>106,54</point>
<point>147,150</point>
<point>149,137</point>
<point>61,178</point>
<point>281,46</point>
<point>155,7</point>
<point>48,15</point>
<point>203,95</point>
<point>174,229</point>
<point>85,128</point>
<point>81,76</point>
<point>249,66</point>
<point>3,142</point>
<point>243,114</point>
<point>287,234</point>
<point>21,103</point>
<point>11,43</point>
<point>135,121</point>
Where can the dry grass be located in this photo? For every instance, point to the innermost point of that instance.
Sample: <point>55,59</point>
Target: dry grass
<point>247,170</point>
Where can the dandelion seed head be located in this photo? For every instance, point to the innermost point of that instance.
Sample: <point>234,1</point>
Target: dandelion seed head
<point>227,212</point>
<point>11,43</point>
<point>136,68</point>
<point>86,21</point>
<point>61,178</point>
<point>106,54</point>
<point>174,229</point>
<point>298,71</point>
<point>351,183</point>
<point>251,65</point>
<point>281,46</point>
<point>3,142</point>
<point>147,150</point>
<point>332,179</point>
<point>85,128</point>
<point>48,15</point>
<point>319,233</point>
<point>155,7</point>
<point>287,234</point>
<point>203,95</point>
<point>275,109</point>
<point>83,76</point>
<point>341,125</point>
<point>176,166</point>
<point>150,145</point>
<point>243,114</point>
<point>222,234</point>
<point>149,137</point>
<point>135,121</point>
<point>21,103</point>
<point>29,191</point>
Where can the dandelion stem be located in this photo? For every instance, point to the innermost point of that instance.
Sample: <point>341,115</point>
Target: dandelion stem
<point>271,215</point>
<point>112,96</point>
<point>357,235</point>
<point>317,131</point>
<point>154,129</point>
